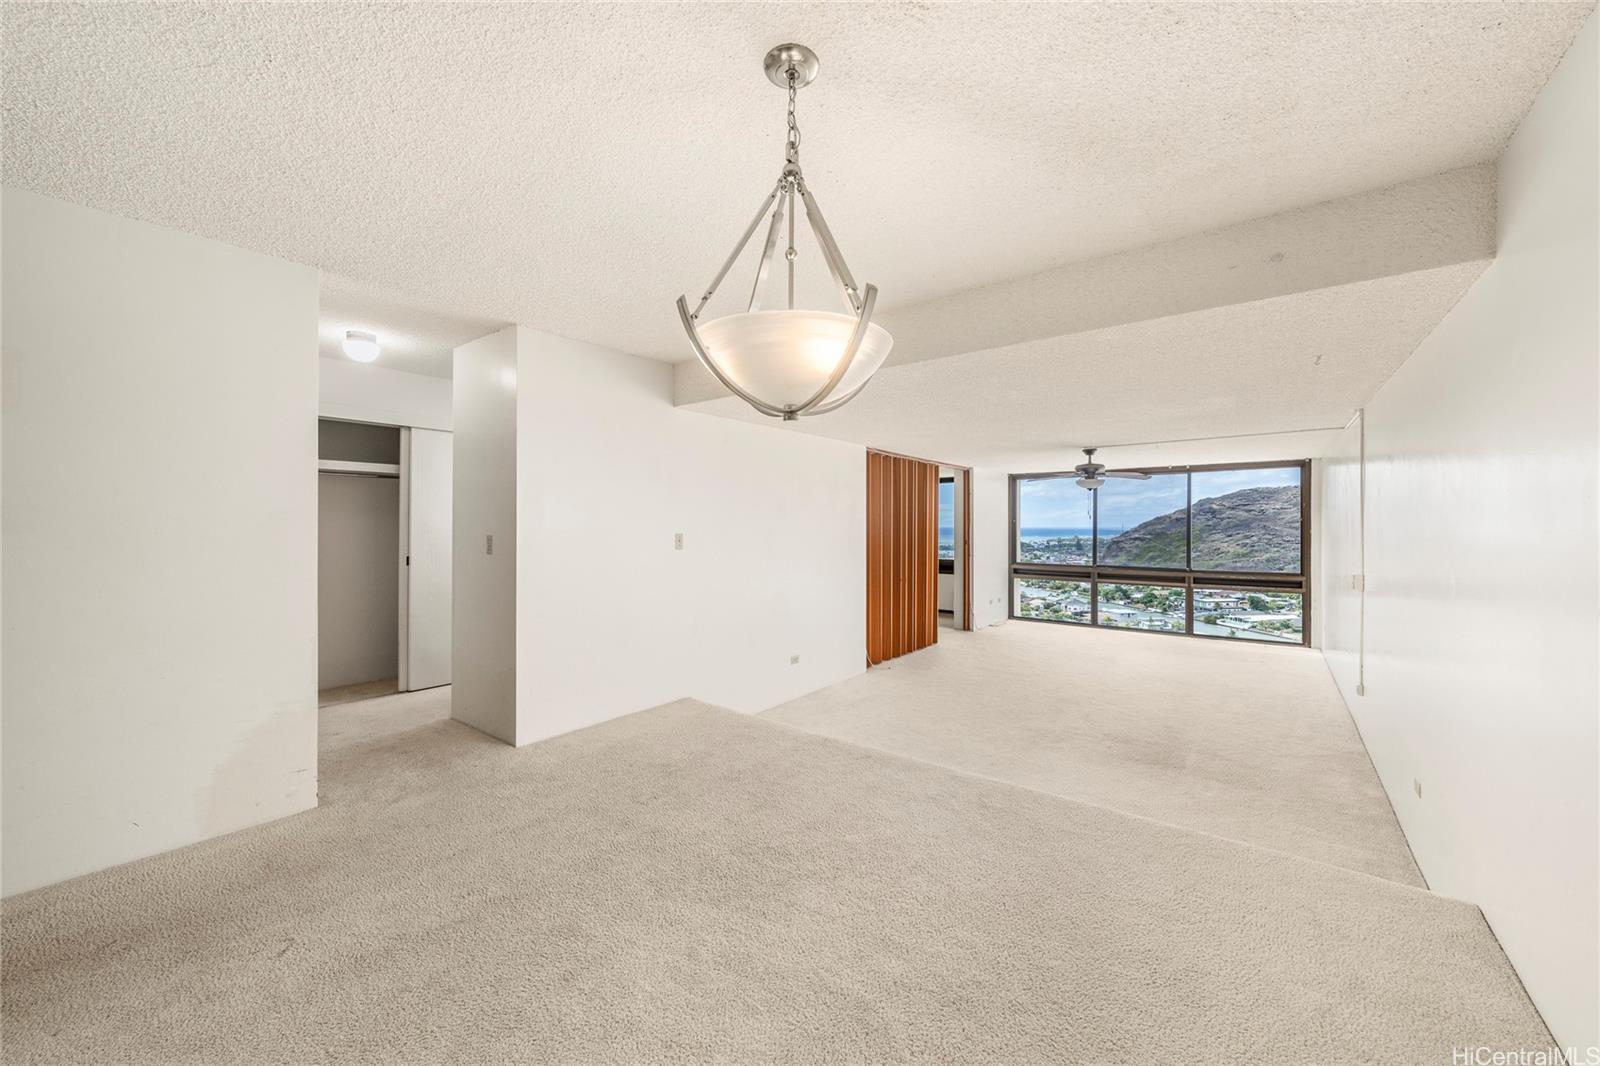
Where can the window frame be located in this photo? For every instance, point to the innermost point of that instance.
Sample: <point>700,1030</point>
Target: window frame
<point>1186,577</point>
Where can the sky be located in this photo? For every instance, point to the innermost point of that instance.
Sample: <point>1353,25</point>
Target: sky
<point>1060,503</point>
<point>947,505</point>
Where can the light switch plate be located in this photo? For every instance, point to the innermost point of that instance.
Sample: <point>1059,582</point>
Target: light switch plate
<point>677,541</point>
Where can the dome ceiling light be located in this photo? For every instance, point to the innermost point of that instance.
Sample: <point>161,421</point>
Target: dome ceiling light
<point>790,362</point>
<point>361,345</point>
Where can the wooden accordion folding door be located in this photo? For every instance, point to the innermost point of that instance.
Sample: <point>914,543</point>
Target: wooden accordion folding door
<point>902,555</point>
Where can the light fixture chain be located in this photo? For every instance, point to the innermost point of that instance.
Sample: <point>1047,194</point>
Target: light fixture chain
<point>793,149</point>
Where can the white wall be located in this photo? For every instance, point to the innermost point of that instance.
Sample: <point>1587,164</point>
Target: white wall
<point>358,584</point>
<point>1482,588</point>
<point>991,547</point>
<point>160,637</point>
<point>611,617</point>
<point>484,585</point>
<point>1336,543</point>
<point>1314,617</point>
<point>362,392</point>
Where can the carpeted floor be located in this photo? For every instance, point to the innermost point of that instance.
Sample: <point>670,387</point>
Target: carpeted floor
<point>365,721</point>
<point>693,885</point>
<point>1247,742</point>
<point>361,690</point>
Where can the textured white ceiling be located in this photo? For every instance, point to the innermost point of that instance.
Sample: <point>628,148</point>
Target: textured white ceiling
<point>576,167</point>
<point>1251,372</point>
<point>413,339</point>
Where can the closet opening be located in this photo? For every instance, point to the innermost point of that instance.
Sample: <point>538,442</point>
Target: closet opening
<point>384,560</point>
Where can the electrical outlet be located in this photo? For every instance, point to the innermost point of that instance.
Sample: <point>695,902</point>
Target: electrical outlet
<point>794,660</point>
<point>677,541</point>
<point>1416,785</point>
<point>488,544</point>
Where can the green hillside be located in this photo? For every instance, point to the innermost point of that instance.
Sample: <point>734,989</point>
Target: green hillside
<point>1252,529</point>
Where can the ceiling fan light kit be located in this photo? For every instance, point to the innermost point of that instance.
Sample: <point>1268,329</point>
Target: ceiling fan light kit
<point>1092,475</point>
<point>790,362</point>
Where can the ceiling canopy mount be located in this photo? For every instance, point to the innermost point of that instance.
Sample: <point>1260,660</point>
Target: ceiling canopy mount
<point>786,57</point>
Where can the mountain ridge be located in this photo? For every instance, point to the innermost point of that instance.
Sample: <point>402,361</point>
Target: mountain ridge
<point>1248,529</point>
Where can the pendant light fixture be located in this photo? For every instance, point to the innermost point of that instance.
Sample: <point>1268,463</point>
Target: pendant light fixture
<point>790,362</point>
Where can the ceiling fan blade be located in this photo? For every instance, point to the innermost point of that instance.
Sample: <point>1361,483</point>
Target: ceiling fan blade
<point>1131,475</point>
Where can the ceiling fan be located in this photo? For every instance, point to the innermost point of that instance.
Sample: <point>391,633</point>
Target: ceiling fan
<point>1091,475</point>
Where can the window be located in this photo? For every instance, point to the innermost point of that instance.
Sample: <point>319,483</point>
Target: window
<point>1055,521</point>
<point>1053,601</point>
<point>1208,551</point>
<point>1247,520</point>
<point>1143,523</point>
<point>1250,614</point>
<point>947,525</point>
<point>1160,607</point>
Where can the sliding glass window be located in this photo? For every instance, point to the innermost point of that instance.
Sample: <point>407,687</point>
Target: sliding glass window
<point>1209,551</point>
<point>1162,608</point>
<point>1142,523</point>
<point>1054,521</point>
<point>1051,601</point>
<point>1274,615</point>
<point>1248,519</point>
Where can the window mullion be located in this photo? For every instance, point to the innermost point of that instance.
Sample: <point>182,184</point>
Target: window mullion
<point>1094,528</point>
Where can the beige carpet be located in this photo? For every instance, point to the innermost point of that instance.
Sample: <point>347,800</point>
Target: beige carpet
<point>1248,742</point>
<point>372,719</point>
<point>693,885</point>
<point>361,690</point>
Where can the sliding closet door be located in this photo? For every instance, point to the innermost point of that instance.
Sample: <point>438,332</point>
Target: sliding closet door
<point>425,605</point>
<point>902,555</point>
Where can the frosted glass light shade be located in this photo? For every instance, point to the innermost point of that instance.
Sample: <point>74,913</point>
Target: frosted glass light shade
<point>360,345</point>
<point>784,357</point>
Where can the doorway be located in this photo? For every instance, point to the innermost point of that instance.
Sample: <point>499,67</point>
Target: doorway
<point>384,560</point>
<point>955,572</point>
